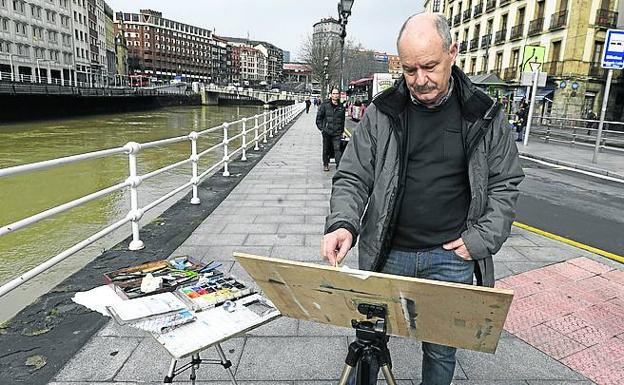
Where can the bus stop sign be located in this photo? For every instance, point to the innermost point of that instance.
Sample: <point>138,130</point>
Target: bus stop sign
<point>613,55</point>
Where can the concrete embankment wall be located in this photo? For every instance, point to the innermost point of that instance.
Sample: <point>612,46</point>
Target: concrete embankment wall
<point>29,107</point>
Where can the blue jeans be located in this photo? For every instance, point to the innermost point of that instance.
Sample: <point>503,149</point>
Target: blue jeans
<point>438,364</point>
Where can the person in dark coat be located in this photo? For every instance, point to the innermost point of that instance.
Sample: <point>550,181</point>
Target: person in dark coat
<point>308,104</point>
<point>330,119</point>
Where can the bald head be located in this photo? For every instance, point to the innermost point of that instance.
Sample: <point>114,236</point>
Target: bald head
<point>429,28</point>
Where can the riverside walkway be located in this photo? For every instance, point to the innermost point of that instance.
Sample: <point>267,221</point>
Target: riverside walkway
<point>553,337</point>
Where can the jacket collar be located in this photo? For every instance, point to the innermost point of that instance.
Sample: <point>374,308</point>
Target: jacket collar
<point>474,103</point>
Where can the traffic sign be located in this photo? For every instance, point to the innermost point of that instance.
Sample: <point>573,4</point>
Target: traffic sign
<point>532,54</point>
<point>526,79</point>
<point>613,55</point>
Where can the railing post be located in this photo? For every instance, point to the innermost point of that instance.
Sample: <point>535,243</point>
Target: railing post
<point>194,159</point>
<point>264,140</point>
<point>244,144</point>
<point>132,149</point>
<point>256,146</point>
<point>271,123</point>
<point>547,138</point>
<point>226,157</point>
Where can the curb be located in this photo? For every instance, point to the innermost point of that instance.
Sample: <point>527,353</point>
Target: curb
<point>594,170</point>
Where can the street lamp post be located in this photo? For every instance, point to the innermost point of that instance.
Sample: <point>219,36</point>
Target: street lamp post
<point>325,74</point>
<point>344,11</point>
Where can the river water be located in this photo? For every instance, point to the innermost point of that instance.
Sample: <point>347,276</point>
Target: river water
<point>27,194</point>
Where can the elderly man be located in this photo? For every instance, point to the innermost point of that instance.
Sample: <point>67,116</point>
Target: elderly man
<point>430,179</point>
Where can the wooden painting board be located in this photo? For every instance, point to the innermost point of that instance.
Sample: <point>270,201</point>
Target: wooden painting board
<point>452,314</point>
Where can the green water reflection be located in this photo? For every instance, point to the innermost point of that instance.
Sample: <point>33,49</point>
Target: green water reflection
<point>28,194</point>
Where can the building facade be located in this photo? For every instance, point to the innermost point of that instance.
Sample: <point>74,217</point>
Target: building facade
<point>111,59</point>
<point>492,35</point>
<point>274,56</point>
<point>253,65</point>
<point>36,41</point>
<point>326,32</point>
<point>164,49</point>
<point>121,60</point>
<point>80,26</point>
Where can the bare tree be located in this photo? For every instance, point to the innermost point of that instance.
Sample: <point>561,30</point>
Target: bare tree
<point>313,53</point>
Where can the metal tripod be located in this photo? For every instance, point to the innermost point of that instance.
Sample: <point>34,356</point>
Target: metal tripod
<point>370,345</point>
<point>194,365</point>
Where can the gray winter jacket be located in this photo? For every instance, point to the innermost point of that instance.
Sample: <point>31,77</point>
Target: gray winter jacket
<point>367,191</point>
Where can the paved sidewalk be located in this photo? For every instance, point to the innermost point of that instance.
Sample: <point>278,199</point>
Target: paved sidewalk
<point>278,210</point>
<point>610,163</point>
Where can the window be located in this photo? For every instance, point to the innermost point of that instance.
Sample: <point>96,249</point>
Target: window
<point>597,53</point>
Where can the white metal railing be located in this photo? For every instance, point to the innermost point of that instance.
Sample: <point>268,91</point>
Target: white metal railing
<point>579,131</point>
<point>251,131</point>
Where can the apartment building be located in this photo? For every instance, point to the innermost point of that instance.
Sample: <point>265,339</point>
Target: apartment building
<point>165,49</point>
<point>492,34</point>
<point>36,41</point>
<point>253,64</point>
<point>274,56</point>
<point>80,26</point>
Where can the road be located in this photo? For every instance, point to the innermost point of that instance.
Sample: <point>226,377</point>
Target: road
<point>573,205</point>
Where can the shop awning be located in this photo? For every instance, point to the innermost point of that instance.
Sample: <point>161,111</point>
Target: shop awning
<point>541,94</point>
<point>360,81</point>
<point>490,79</point>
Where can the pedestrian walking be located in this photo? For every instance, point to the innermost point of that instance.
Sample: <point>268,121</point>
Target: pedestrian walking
<point>330,119</point>
<point>521,120</point>
<point>434,166</point>
<point>308,104</point>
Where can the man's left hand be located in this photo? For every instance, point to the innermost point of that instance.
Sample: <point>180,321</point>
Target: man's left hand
<point>459,248</point>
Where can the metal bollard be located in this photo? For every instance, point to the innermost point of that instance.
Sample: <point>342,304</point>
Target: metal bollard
<point>244,144</point>
<point>135,213</point>
<point>226,157</point>
<point>194,159</point>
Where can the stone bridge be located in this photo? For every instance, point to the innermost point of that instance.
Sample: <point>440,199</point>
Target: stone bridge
<point>210,95</point>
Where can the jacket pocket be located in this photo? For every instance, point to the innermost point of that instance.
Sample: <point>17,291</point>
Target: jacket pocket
<point>453,146</point>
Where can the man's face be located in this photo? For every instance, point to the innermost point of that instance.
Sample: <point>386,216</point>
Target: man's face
<point>426,66</point>
<point>335,95</point>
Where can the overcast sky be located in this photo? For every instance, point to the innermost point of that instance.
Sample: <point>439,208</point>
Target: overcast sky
<point>374,23</point>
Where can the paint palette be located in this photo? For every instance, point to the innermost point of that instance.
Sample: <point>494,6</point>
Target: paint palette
<point>213,292</point>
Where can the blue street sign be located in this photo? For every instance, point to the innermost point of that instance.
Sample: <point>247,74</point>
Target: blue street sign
<point>613,55</point>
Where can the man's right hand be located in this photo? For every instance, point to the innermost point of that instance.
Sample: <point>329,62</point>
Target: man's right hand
<point>335,245</point>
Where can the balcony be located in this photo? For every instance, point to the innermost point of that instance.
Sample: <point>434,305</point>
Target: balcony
<point>536,26</point>
<point>558,20</point>
<point>466,15</point>
<point>474,44</point>
<point>500,36</point>
<point>516,32</point>
<point>606,18</point>
<point>485,40</point>
<point>490,5</point>
<point>456,20</point>
<point>504,2</point>
<point>596,71</point>
<point>478,10</point>
<point>553,68</point>
<point>462,47</point>
<point>511,73</point>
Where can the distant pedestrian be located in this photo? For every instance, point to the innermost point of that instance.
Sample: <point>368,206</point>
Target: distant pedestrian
<point>308,104</point>
<point>592,124</point>
<point>330,119</point>
<point>521,118</point>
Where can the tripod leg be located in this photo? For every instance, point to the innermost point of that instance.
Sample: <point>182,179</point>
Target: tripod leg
<point>346,372</point>
<point>226,363</point>
<point>385,369</point>
<point>171,373</point>
<point>195,360</point>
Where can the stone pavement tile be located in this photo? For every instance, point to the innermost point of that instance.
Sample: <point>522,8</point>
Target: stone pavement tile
<point>281,327</point>
<point>591,265</point>
<point>324,204</point>
<point>547,254</point>
<point>225,219</point>
<point>298,253</point>
<point>567,324</point>
<point>315,219</point>
<point>224,253</point>
<point>308,197</point>
<point>616,276</point>
<point>216,240</point>
<point>521,267</point>
<point>598,360</point>
<point>284,191</point>
<point>568,382</point>
<point>539,335</point>
<point>284,203</point>
<point>589,336</point>
<point>327,382</point>
<point>211,227</point>
<point>487,382</point>
<point>513,360</point>
<point>314,240</point>
<point>501,270</point>
<point>113,329</point>
<point>518,240</point>
<point>313,229</point>
<point>264,210</point>
<point>286,358</point>
<point>509,254</point>
<point>275,239</point>
<point>318,191</point>
<point>150,362</point>
<point>280,219</point>
<point>562,347</point>
<point>99,360</point>
<point>250,228</point>
<point>305,211</point>
<point>91,383</point>
<point>308,328</point>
